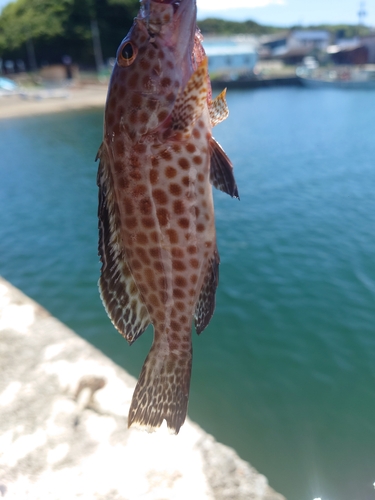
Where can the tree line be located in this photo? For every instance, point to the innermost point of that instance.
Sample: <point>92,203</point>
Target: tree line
<point>44,31</point>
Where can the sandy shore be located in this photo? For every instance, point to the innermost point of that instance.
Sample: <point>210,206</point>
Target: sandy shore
<point>37,102</point>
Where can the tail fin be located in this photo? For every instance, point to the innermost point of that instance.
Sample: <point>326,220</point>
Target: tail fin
<point>162,391</point>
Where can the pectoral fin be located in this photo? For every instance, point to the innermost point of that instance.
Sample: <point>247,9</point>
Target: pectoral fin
<point>206,302</point>
<point>221,170</point>
<point>218,109</point>
<point>118,290</point>
<point>191,101</point>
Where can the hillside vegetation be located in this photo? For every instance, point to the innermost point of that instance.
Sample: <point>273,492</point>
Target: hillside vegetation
<point>51,29</point>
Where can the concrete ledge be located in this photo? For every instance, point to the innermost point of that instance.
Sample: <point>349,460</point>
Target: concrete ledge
<point>63,425</point>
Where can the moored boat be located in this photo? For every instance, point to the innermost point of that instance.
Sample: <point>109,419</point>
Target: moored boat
<point>345,77</point>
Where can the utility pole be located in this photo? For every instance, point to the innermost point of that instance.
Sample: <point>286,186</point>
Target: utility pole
<point>31,54</point>
<point>362,13</point>
<point>97,46</point>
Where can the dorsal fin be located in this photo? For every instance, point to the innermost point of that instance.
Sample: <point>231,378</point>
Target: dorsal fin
<point>218,109</point>
<point>221,170</point>
<point>206,302</point>
<point>118,290</point>
<point>191,102</point>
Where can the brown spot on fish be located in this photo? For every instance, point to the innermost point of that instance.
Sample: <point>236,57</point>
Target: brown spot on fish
<point>133,116</point>
<point>170,172</point>
<point>118,166</point>
<point>190,147</point>
<point>154,300</point>
<point>158,266</point>
<point>178,207</point>
<point>194,263</point>
<point>162,115</point>
<point>197,160</point>
<point>139,148</point>
<point>119,148</point>
<point>148,222</point>
<point>180,281</point>
<point>136,264</point>
<point>178,265</point>
<point>178,293</point>
<point>200,177</point>
<point>142,255</point>
<point>165,155</point>
<point>183,163</point>
<point>183,222</point>
<point>152,104</point>
<point>175,326</point>
<point>200,227</point>
<point>175,189</point>
<point>155,252</point>
<point>143,117</point>
<point>154,237</point>
<point>135,175</point>
<point>165,82</point>
<point>171,97</point>
<point>160,196</point>
<point>163,216</point>
<point>177,252</point>
<point>163,283</point>
<point>160,315</point>
<point>180,306</point>
<point>173,236</point>
<point>136,100</point>
<point>186,181</point>
<point>145,206</point>
<point>129,207</point>
<point>196,134</point>
<point>131,222</point>
<point>144,63</point>
<point>142,238</point>
<point>193,278</point>
<point>139,190</point>
<point>154,176</point>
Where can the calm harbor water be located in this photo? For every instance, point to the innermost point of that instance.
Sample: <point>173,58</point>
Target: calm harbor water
<point>285,373</point>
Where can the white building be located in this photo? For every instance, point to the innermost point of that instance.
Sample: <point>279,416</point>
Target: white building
<point>233,55</point>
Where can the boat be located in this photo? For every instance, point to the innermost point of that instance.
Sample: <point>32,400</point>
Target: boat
<point>343,77</point>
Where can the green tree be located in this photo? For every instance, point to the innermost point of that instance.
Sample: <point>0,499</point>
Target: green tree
<point>58,27</point>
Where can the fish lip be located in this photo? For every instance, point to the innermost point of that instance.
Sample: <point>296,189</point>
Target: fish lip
<point>175,3</point>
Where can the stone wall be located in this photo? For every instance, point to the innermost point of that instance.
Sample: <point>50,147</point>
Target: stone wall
<point>63,425</point>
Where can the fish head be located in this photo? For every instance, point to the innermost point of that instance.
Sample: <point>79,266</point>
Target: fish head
<point>153,63</point>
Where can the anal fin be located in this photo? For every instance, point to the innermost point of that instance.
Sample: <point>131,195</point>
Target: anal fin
<point>221,170</point>
<point>118,290</point>
<point>206,301</point>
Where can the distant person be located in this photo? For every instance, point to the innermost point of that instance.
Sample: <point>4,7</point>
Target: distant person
<point>67,61</point>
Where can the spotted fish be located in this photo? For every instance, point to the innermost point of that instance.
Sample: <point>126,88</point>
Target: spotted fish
<point>157,241</point>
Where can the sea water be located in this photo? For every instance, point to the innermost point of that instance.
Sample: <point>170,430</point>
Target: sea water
<point>285,372</point>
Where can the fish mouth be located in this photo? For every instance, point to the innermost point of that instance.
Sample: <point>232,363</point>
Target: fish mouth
<point>175,3</point>
<point>158,13</point>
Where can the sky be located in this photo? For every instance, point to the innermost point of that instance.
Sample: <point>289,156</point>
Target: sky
<point>284,12</point>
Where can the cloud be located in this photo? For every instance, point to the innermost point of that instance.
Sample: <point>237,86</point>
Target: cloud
<point>236,4</point>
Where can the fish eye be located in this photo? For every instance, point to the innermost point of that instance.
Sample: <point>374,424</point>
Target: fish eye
<point>126,54</point>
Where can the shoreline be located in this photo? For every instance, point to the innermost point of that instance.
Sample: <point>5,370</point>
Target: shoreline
<point>46,101</point>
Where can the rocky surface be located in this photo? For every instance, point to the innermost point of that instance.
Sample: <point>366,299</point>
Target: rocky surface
<point>63,425</point>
